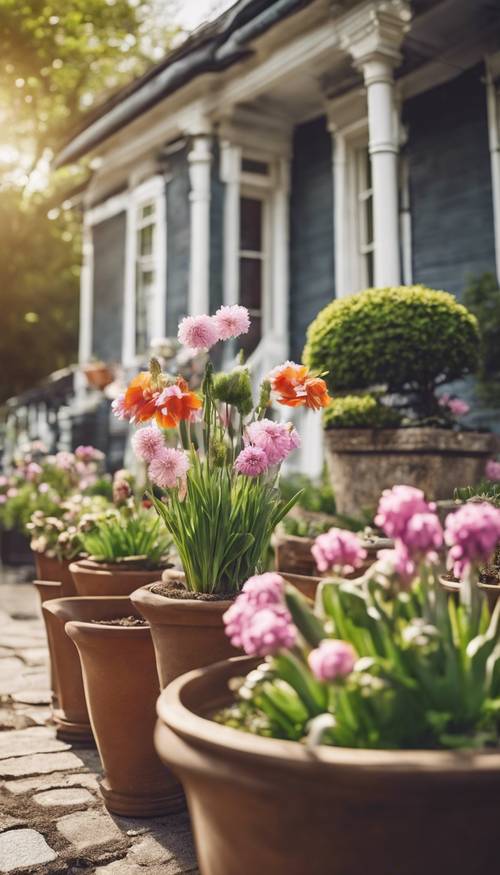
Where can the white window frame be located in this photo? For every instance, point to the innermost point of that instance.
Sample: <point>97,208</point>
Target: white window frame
<point>151,191</point>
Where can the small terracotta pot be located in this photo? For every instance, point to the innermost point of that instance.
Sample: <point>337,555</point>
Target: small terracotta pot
<point>335,810</point>
<point>187,633</point>
<point>100,579</point>
<point>121,688</point>
<point>305,584</point>
<point>53,569</point>
<point>491,591</point>
<point>98,374</point>
<point>50,589</point>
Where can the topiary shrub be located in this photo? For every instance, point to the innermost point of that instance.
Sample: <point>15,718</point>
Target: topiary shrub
<point>408,339</point>
<point>360,411</point>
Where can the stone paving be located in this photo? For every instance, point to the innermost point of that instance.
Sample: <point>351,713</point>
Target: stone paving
<point>52,818</point>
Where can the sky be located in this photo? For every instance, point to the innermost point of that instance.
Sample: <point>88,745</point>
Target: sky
<point>192,13</point>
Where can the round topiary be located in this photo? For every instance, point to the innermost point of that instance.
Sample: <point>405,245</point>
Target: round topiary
<point>407,338</point>
<point>360,411</point>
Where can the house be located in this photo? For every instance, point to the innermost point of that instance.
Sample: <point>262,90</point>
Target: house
<point>289,152</point>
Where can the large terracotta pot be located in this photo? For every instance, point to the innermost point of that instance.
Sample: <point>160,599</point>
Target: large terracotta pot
<point>51,568</point>
<point>186,633</point>
<point>268,806</point>
<point>100,579</point>
<point>364,461</point>
<point>293,556</point>
<point>121,688</point>
<point>50,589</point>
<point>490,590</point>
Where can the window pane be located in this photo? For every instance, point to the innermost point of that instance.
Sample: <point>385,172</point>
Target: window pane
<point>146,240</point>
<point>249,342</point>
<point>370,273</point>
<point>251,224</point>
<point>147,210</point>
<point>144,309</point>
<point>251,283</point>
<point>369,220</point>
<point>249,166</point>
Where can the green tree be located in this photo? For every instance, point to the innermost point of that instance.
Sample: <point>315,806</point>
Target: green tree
<point>57,60</point>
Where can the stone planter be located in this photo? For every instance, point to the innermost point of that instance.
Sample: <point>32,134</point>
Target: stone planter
<point>363,462</point>
<point>121,688</point>
<point>51,568</point>
<point>187,633</point>
<point>335,810</point>
<point>99,578</point>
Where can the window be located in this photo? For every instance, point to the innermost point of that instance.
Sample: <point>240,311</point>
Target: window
<point>252,258</point>
<point>145,277</point>
<point>364,198</point>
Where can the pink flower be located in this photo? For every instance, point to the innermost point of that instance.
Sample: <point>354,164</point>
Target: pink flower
<point>12,492</point>
<point>88,453</point>
<point>122,490</point>
<point>339,550</point>
<point>3,499</point>
<point>231,321</point>
<point>332,660</point>
<point>118,407</point>
<point>147,443</point>
<point>33,471</point>
<point>259,621</point>
<point>43,488</point>
<point>398,562</point>
<point>168,468</point>
<point>264,589</point>
<point>275,438</point>
<point>472,533</point>
<point>396,508</point>
<point>454,405</point>
<point>423,534</point>
<point>492,470</point>
<point>198,332</point>
<point>65,461</point>
<point>3,480</point>
<point>268,631</point>
<point>252,461</point>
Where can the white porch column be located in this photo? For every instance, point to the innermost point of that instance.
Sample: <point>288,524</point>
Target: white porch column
<point>86,297</point>
<point>200,158</point>
<point>372,34</point>
<point>230,171</point>
<point>280,284</point>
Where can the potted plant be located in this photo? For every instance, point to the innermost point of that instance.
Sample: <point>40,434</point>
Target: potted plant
<point>99,374</point>
<point>213,460</point>
<point>363,736</point>
<point>121,687</point>
<point>401,344</point>
<point>124,547</point>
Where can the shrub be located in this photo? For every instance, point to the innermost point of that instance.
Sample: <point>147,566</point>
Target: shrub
<point>408,339</point>
<point>360,411</point>
<point>482,297</point>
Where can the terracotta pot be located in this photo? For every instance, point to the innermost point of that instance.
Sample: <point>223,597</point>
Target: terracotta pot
<point>490,590</point>
<point>293,556</point>
<point>337,810</point>
<point>48,589</point>
<point>364,461</point>
<point>100,579</point>
<point>51,568</point>
<point>99,375</point>
<point>305,584</point>
<point>121,688</point>
<point>186,633</point>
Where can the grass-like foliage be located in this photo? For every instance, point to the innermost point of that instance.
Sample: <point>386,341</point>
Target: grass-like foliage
<point>128,534</point>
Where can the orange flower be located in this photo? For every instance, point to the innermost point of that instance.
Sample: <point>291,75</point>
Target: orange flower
<point>296,388</point>
<point>176,403</point>
<point>140,398</point>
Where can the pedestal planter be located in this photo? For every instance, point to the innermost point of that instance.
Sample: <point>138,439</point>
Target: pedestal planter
<point>98,578</point>
<point>363,462</point>
<point>121,688</point>
<point>51,568</point>
<point>187,633</point>
<point>335,810</point>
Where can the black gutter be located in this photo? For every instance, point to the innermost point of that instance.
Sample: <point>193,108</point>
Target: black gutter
<point>219,53</point>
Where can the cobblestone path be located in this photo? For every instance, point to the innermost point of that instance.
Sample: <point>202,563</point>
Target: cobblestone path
<point>52,818</point>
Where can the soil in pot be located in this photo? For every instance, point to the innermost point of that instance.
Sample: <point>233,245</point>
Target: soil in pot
<point>101,579</point>
<point>121,689</point>
<point>52,568</point>
<point>261,805</point>
<point>187,628</point>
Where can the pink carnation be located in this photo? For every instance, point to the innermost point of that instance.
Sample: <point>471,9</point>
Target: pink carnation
<point>252,461</point>
<point>423,534</point>
<point>88,454</point>
<point>198,332</point>
<point>332,660</point>
<point>119,409</point>
<point>168,468</point>
<point>43,488</point>
<point>472,533</point>
<point>396,508</point>
<point>339,550</point>
<point>258,621</point>
<point>65,461</point>
<point>264,589</point>
<point>147,443</point>
<point>398,562</point>
<point>275,438</point>
<point>33,471</point>
<point>231,321</point>
<point>455,405</point>
<point>493,470</point>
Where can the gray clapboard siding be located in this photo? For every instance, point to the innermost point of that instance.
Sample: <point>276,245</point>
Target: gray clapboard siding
<point>178,240</point>
<point>108,239</point>
<point>312,282</point>
<point>450,183</point>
